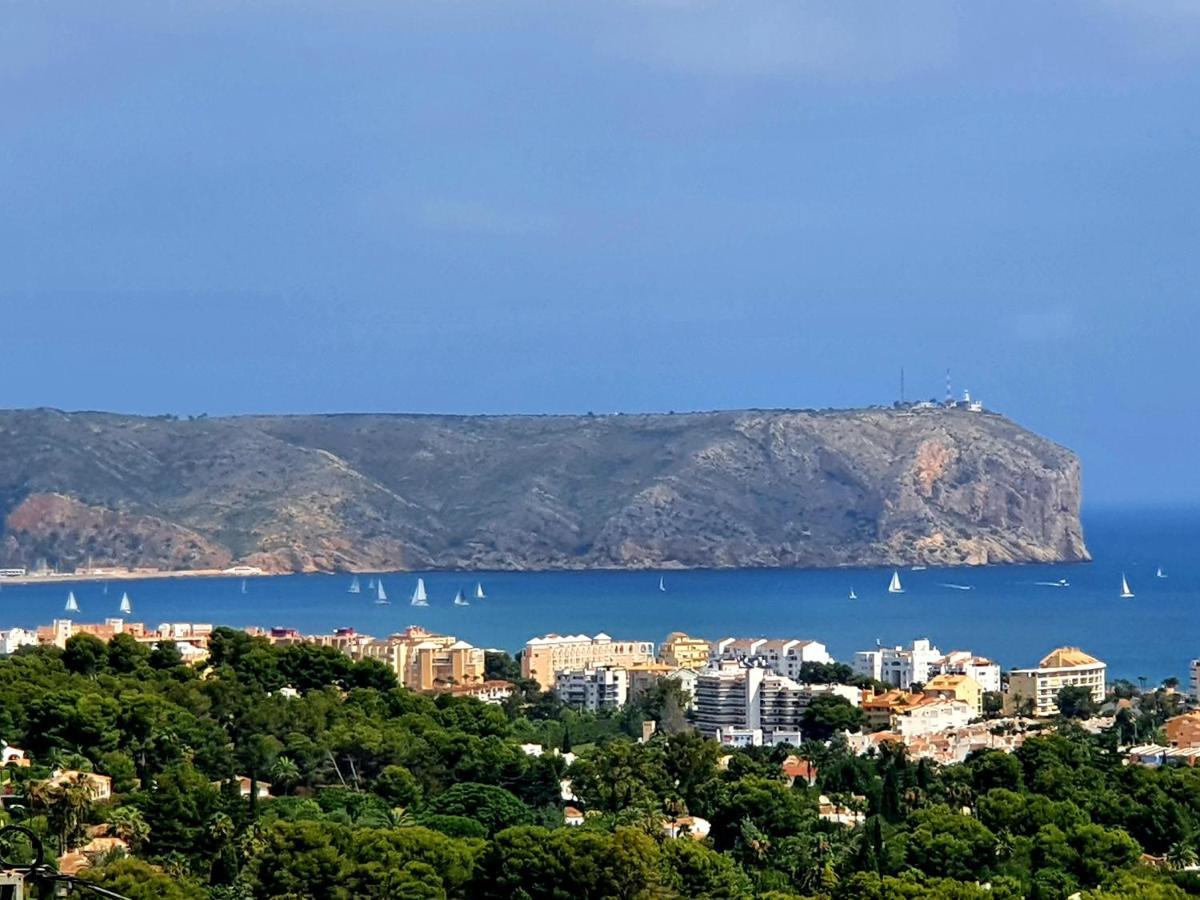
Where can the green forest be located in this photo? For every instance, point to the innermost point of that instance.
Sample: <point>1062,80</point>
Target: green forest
<point>379,792</point>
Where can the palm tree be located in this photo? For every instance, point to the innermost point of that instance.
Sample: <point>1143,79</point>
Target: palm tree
<point>127,824</point>
<point>675,807</point>
<point>285,774</point>
<point>221,829</point>
<point>223,868</point>
<point>960,796</point>
<point>753,839</point>
<point>1005,845</point>
<point>1181,855</point>
<point>913,798</point>
<point>814,753</point>
<point>396,817</point>
<point>66,803</point>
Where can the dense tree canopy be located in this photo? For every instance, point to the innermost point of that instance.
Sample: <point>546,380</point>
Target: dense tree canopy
<point>382,793</point>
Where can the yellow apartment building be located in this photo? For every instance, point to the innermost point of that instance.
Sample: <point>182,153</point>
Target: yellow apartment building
<point>681,651</point>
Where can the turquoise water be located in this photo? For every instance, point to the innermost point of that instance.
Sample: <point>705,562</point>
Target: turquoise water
<point>1006,616</point>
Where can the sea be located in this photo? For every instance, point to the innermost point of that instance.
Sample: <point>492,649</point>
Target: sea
<point>1012,614</point>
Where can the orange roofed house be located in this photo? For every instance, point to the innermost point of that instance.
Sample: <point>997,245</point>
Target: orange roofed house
<point>1183,732</point>
<point>910,715</point>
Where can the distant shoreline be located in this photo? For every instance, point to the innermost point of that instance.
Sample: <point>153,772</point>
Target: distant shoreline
<point>74,577</point>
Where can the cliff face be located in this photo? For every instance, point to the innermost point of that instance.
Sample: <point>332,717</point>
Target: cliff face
<point>749,488</point>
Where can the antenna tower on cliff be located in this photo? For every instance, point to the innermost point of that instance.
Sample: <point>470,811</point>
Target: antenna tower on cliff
<point>949,392</point>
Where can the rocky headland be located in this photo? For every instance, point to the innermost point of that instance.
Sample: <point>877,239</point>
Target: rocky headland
<point>379,492</point>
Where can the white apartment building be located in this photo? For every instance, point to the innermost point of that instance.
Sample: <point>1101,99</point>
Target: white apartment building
<point>738,738</point>
<point>602,687</point>
<point>1194,681</point>
<point>15,638</point>
<point>784,656</point>
<point>544,656</point>
<point>931,716</point>
<point>897,666</point>
<point>964,662</point>
<point>1066,666</point>
<point>735,695</point>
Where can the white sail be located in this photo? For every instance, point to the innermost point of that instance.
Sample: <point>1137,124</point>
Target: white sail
<point>1160,573</point>
<point>894,587</point>
<point>460,600</point>
<point>479,594</point>
<point>853,596</point>
<point>371,585</point>
<point>419,598</point>
<point>662,584</point>
<point>355,587</point>
<point>380,593</point>
<point>126,605</point>
<point>1126,593</point>
<point>243,585</point>
<point>72,603</point>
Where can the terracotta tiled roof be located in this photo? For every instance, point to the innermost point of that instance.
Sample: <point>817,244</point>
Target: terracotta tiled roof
<point>1066,657</point>
<point>795,767</point>
<point>72,863</point>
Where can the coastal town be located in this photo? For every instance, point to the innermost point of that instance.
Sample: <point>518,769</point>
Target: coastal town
<point>741,692</point>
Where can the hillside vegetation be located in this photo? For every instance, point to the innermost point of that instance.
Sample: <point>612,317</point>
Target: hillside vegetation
<point>345,492</point>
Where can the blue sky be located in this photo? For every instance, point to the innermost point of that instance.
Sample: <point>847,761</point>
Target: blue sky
<point>552,207</point>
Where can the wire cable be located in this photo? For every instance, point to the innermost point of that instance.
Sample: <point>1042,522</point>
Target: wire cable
<point>37,870</point>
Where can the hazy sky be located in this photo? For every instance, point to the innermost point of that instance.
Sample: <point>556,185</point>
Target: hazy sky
<point>549,207</point>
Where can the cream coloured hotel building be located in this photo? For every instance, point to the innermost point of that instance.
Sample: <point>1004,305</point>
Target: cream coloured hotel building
<point>1066,666</point>
<point>544,657</point>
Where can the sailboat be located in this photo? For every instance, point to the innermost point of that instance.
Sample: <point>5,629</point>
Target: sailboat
<point>126,604</point>
<point>381,594</point>
<point>1126,593</point>
<point>243,585</point>
<point>894,586</point>
<point>461,600</point>
<point>662,584</point>
<point>419,597</point>
<point>355,588</point>
<point>479,594</point>
<point>72,603</point>
<point>106,589</point>
<point>1160,573</point>
<point>853,596</point>
<point>371,585</point>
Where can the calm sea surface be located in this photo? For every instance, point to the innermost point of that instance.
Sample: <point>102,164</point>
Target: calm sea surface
<point>1006,615</point>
